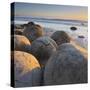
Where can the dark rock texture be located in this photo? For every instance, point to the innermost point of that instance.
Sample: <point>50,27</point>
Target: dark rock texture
<point>73,28</point>
<point>66,66</point>
<point>60,37</point>
<point>81,36</point>
<point>31,23</point>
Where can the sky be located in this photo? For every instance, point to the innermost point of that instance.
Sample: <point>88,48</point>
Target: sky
<point>51,11</point>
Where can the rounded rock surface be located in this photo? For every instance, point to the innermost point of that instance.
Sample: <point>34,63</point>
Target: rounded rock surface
<point>66,66</point>
<point>26,69</point>
<point>60,37</point>
<point>32,32</point>
<point>21,43</point>
<point>42,48</point>
<point>18,31</point>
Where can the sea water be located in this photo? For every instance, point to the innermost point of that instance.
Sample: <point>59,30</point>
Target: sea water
<point>52,25</point>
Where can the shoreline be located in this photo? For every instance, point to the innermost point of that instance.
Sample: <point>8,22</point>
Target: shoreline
<point>49,29</point>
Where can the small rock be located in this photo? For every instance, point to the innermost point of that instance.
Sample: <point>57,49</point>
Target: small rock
<point>21,43</point>
<point>81,36</point>
<point>73,28</point>
<point>18,31</point>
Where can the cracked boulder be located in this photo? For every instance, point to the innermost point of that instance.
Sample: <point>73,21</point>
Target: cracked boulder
<point>42,48</point>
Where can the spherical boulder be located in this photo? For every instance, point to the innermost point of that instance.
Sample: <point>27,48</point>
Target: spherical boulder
<point>27,70</point>
<point>32,32</point>
<point>66,66</point>
<point>60,37</point>
<point>42,48</point>
<point>21,43</point>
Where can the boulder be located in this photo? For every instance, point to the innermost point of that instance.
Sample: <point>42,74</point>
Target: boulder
<point>66,66</point>
<point>42,48</point>
<point>21,43</point>
<point>32,32</point>
<point>18,31</point>
<point>60,37</point>
<point>18,26</point>
<point>27,71</point>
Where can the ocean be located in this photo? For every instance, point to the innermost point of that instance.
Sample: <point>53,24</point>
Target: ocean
<point>52,25</point>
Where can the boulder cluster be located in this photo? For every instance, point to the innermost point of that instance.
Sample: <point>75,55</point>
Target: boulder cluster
<point>40,60</point>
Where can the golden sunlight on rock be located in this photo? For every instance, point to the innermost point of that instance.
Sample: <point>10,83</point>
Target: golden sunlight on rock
<point>26,68</point>
<point>21,43</point>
